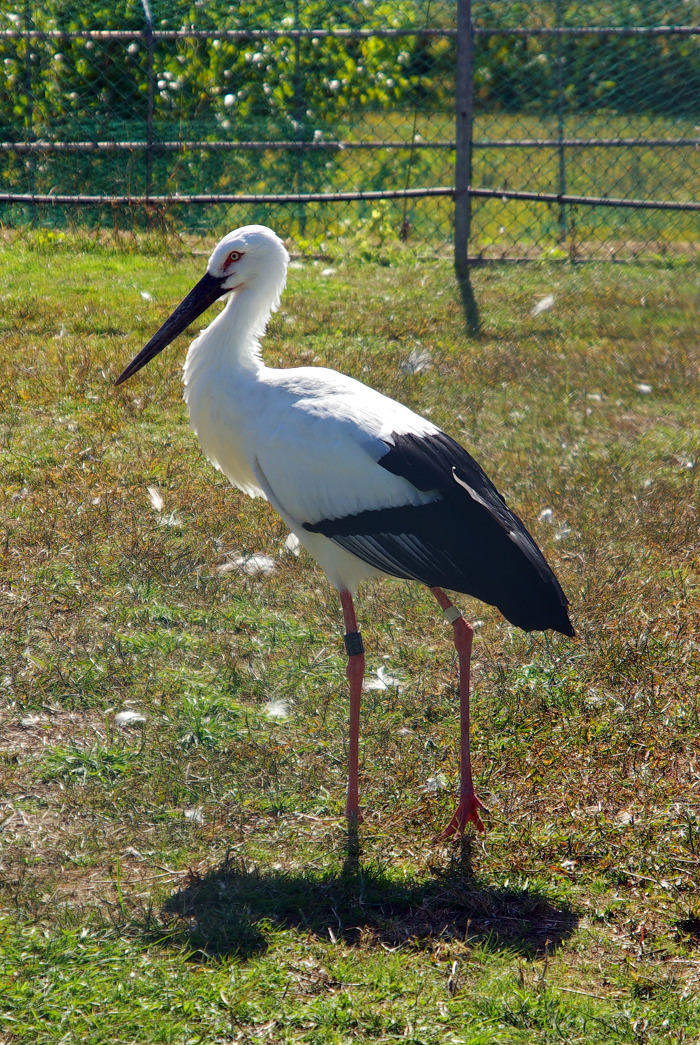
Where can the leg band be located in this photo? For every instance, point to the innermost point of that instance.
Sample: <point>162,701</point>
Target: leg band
<point>451,614</point>
<point>353,643</point>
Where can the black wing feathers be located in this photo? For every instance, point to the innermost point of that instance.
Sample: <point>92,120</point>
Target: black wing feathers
<point>466,540</point>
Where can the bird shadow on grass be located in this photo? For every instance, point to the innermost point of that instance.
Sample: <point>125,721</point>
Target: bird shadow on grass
<point>233,910</point>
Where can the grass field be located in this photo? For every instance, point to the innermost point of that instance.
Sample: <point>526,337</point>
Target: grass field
<point>187,877</point>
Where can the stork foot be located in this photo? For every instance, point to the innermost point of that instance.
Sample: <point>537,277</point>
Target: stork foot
<point>466,812</point>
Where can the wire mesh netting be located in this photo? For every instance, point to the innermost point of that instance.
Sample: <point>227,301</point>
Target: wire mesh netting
<point>314,99</point>
<point>593,100</point>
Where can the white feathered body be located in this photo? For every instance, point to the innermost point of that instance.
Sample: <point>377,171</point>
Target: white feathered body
<point>306,438</point>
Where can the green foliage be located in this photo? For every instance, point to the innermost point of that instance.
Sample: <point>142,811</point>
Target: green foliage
<point>79,765</point>
<point>283,89</point>
<point>620,73</point>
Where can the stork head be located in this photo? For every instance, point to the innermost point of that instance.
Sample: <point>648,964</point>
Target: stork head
<point>252,256</point>
<point>251,259</point>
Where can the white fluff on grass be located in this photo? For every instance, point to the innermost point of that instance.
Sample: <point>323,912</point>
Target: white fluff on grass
<point>31,721</point>
<point>418,359</point>
<point>127,718</point>
<point>292,545</point>
<point>156,498</point>
<point>382,679</point>
<point>248,564</point>
<point>543,305</point>
<point>277,709</point>
<point>437,782</point>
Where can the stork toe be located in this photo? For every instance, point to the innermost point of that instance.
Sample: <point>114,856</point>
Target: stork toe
<point>467,812</point>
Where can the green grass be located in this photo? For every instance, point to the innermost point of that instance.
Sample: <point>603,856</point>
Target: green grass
<point>190,878</point>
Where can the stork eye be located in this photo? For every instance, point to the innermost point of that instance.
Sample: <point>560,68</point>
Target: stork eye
<point>234,256</point>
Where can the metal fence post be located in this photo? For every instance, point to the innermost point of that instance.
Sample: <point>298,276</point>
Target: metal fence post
<point>464,116</point>
<point>560,121</point>
<point>299,116</point>
<point>150,94</point>
<point>29,88</point>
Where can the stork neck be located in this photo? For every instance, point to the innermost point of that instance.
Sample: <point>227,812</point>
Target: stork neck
<point>241,326</point>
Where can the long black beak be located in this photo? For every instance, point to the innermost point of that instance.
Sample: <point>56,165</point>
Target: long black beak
<point>204,294</point>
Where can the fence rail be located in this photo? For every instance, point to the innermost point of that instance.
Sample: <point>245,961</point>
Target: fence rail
<point>164,126</point>
<point>339,34</point>
<point>55,199</point>
<point>329,146</point>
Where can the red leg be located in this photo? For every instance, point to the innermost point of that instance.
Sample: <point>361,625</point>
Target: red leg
<point>469,804</point>
<point>355,673</point>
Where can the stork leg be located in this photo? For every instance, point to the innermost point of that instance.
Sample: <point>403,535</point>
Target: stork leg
<point>469,804</point>
<point>355,672</point>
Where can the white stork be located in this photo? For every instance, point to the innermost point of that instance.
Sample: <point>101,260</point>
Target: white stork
<point>369,487</point>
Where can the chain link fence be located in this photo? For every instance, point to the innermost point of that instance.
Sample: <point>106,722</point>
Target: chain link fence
<point>336,120</point>
<point>595,100</point>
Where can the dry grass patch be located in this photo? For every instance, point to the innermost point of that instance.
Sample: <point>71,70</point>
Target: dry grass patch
<point>203,849</point>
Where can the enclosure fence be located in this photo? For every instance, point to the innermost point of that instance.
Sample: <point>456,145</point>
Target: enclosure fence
<point>337,121</point>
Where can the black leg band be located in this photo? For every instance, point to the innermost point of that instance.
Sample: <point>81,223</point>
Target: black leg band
<point>353,643</point>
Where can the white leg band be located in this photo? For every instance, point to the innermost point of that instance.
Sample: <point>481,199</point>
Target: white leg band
<point>451,614</point>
